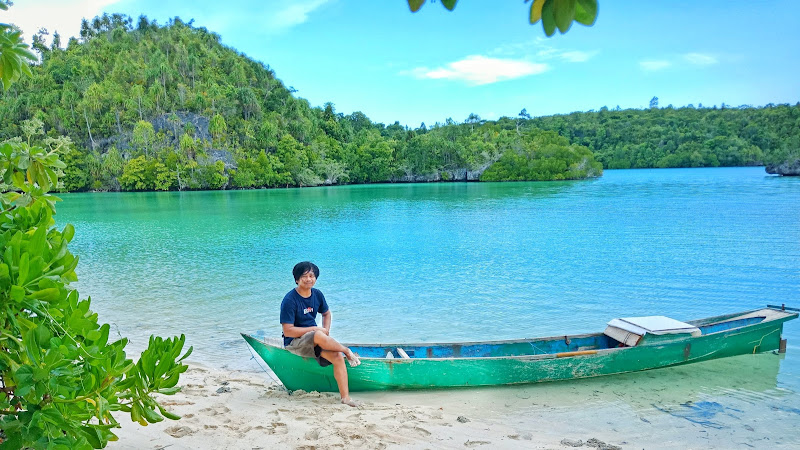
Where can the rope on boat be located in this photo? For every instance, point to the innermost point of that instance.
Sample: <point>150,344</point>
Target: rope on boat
<point>253,356</point>
<point>762,340</point>
<point>535,348</point>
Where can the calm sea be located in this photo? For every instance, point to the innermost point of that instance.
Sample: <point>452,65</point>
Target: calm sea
<point>454,261</point>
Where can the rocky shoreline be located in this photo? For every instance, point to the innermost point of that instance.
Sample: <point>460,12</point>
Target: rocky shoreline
<point>789,168</point>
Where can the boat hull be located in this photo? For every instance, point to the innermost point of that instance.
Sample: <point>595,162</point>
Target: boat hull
<point>426,373</point>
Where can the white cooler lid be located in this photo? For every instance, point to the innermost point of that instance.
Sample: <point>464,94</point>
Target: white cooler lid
<point>654,325</point>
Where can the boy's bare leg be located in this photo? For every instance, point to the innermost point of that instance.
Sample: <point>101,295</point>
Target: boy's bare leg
<point>340,374</point>
<point>332,351</point>
<point>328,343</point>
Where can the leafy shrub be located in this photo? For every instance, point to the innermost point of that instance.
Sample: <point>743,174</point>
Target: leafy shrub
<point>60,375</point>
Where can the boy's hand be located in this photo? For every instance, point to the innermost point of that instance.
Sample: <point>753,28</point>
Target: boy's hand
<point>322,330</point>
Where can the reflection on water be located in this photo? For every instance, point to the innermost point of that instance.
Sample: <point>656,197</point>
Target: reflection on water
<point>746,377</point>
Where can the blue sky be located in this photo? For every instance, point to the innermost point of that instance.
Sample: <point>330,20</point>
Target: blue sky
<point>376,57</point>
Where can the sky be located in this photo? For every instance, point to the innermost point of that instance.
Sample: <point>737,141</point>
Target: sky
<point>377,57</point>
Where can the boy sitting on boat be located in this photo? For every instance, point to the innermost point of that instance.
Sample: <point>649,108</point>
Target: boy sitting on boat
<point>303,337</point>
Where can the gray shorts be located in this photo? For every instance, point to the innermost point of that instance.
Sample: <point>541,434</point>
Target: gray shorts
<point>304,346</point>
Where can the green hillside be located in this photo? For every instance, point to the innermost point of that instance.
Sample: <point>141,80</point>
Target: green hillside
<point>683,137</point>
<point>169,107</point>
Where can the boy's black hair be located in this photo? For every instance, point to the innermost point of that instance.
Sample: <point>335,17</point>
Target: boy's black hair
<point>303,267</point>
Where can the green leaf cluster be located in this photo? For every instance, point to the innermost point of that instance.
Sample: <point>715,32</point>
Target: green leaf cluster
<point>14,54</point>
<point>561,13</point>
<point>415,5</point>
<point>553,13</point>
<point>60,375</point>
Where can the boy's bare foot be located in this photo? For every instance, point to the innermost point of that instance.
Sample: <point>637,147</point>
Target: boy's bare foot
<point>352,358</point>
<point>350,402</point>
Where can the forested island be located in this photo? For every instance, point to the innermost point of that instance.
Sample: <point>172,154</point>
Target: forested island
<point>152,107</point>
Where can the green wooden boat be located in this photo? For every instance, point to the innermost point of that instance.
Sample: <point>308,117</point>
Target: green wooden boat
<point>627,345</point>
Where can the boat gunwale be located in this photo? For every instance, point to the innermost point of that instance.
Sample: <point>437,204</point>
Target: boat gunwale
<point>467,358</point>
<point>594,352</point>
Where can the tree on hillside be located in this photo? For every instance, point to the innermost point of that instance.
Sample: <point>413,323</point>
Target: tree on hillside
<point>219,130</point>
<point>472,120</point>
<point>143,138</point>
<point>523,115</point>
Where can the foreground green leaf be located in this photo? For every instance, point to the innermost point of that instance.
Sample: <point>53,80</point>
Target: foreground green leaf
<point>60,376</point>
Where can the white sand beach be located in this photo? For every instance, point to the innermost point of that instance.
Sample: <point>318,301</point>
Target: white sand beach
<point>228,409</point>
<point>247,410</point>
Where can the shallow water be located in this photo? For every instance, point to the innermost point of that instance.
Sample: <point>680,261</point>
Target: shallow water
<point>459,261</point>
<point>728,403</point>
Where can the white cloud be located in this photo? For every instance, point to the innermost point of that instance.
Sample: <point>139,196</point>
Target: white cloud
<point>295,13</point>
<point>547,53</point>
<point>516,49</point>
<point>543,50</point>
<point>652,66</point>
<point>700,59</point>
<point>477,70</point>
<point>273,16</point>
<point>697,59</point>
<point>576,56</point>
<point>54,15</point>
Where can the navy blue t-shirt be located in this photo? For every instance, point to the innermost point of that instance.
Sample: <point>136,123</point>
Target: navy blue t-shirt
<point>300,311</point>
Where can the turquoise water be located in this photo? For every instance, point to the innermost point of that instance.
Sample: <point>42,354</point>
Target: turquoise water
<point>448,261</point>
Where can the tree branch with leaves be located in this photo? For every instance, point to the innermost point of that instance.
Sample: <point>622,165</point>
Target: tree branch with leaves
<point>14,54</point>
<point>554,14</point>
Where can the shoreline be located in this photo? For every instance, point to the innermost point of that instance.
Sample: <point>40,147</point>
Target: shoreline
<point>402,182</point>
<point>247,410</point>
